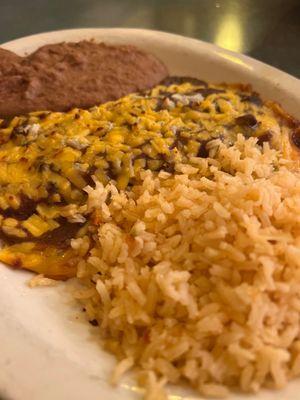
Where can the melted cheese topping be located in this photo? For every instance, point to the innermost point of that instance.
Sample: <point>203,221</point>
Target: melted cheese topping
<point>47,159</point>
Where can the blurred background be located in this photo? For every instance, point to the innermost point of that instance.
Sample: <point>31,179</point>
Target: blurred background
<point>268,30</point>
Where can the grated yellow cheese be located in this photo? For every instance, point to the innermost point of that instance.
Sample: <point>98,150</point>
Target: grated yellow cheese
<point>47,159</point>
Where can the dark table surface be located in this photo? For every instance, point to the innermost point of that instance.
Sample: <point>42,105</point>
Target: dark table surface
<point>268,30</point>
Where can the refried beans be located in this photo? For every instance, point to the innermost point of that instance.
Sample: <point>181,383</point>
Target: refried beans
<point>58,77</point>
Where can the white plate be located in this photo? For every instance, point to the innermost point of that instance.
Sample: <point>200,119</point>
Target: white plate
<point>45,352</point>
